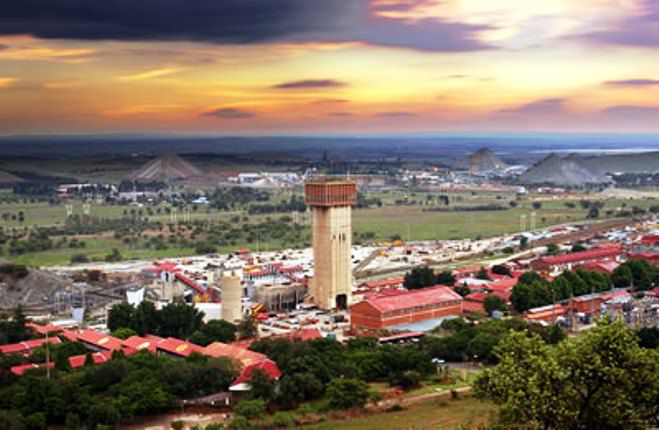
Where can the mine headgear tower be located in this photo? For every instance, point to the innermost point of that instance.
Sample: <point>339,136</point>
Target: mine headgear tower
<point>330,201</point>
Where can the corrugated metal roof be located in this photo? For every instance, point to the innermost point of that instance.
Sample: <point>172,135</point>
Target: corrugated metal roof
<point>426,296</point>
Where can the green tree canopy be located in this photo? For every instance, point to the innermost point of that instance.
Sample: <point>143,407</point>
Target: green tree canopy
<point>602,380</point>
<point>420,277</point>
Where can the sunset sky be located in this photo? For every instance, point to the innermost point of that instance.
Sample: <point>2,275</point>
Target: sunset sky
<point>328,66</point>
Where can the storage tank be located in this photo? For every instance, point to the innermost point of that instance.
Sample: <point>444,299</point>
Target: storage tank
<point>231,289</point>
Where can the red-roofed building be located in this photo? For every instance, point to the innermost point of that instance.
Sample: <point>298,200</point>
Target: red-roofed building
<point>560,263</point>
<point>469,307</point>
<point>44,329</point>
<point>98,341</point>
<point>249,362</point>
<point>27,346</point>
<point>591,303</point>
<point>77,361</point>
<point>408,307</point>
<point>547,314</point>
<point>177,348</point>
<point>19,370</point>
<point>140,343</point>
<point>602,266</point>
<point>384,283</point>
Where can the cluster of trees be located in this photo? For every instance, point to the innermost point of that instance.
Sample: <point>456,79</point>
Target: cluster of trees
<point>532,290</point>
<point>234,197</point>
<point>175,319</point>
<point>99,395</point>
<point>13,329</point>
<point>294,204</point>
<point>602,380</point>
<point>314,368</point>
<point>423,277</point>
<point>466,341</point>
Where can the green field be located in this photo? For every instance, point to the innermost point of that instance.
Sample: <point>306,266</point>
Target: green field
<point>464,413</point>
<point>410,222</point>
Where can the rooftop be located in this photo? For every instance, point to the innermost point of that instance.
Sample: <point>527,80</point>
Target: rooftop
<point>411,299</point>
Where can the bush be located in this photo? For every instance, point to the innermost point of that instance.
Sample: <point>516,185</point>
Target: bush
<point>283,419</point>
<point>79,258</point>
<point>240,423</point>
<point>251,408</point>
<point>347,393</point>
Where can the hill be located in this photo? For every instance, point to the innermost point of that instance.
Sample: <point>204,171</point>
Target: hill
<point>8,178</point>
<point>485,160</point>
<point>166,167</point>
<point>576,171</point>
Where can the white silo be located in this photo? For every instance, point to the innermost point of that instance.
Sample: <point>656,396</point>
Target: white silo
<point>232,293</point>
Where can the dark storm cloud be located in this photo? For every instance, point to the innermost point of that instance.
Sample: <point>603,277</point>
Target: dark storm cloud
<point>538,107</point>
<point>634,82</point>
<point>233,21</point>
<point>641,30</point>
<point>230,113</point>
<point>311,83</point>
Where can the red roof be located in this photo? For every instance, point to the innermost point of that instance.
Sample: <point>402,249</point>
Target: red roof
<point>303,335</point>
<point>98,357</point>
<point>100,340</point>
<point>472,307</point>
<point>268,366</point>
<point>605,266</point>
<point>43,329</point>
<point>476,297</point>
<point>410,299</point>
<point>650,239</point>
<point>573,257</point>
<point>384,283</point>
<point>70,335</point>
<point>501,285</point>
<point>139,343</point>
<point>291,269</point>
<point>244,356</point>
<point>26,346</point>
<point>178,347</point>
<point>243,251</point>
<point>19,370</point>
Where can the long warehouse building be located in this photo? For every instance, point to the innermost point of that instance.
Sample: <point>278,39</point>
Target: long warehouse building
<point>414,310</point>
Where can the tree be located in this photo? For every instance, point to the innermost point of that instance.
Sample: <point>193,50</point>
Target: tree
<point>536,205</point>
<point>593,381</point>
<point>247,328</point>
<point>79,258</point>
<point>483,274</point>
<point>642,274</point>
<point>500,269</point>
<point>593,212</point>
<point>462,289</point>
<point>216,331</point>
<point>445,277</point>
<point>494,303</point>
<point>420,277</point>
<point>114,256</point>
<point>344,393</point>
<point>120,316</point>
<point>179,320</point>
<point>622,277</point>
<point>552,249</point>
<point>577,247</point>
<point>523,243</point>
<point>124,333</point>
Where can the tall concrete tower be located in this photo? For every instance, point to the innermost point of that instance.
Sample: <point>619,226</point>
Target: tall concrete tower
<point>330,201</point>
<point>231,289</point>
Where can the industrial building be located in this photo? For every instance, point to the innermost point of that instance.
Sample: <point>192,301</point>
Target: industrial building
<point>560,263</point>
<point>330,201</point>
<point>412,310</point>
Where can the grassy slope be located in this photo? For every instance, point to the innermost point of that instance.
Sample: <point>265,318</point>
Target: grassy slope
<point>447,414</point>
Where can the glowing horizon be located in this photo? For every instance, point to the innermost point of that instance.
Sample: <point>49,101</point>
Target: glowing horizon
<point>352,67</point>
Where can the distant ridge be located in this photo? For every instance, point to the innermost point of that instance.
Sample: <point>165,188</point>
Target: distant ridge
<point>166,167</point>
<point>8,178</point>
<point>576,171</point>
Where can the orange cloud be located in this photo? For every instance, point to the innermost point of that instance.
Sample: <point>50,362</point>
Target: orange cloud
<point>150,74</point>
